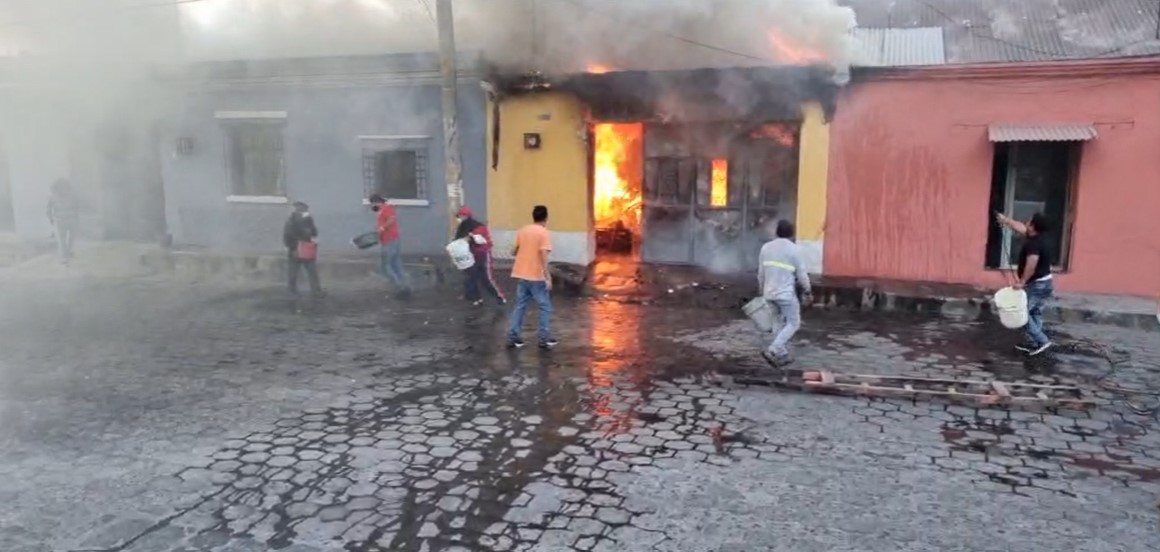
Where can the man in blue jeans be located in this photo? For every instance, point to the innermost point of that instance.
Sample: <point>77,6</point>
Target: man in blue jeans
<point>533,279</point>
<point>392,251</point>
<point>1034,272</point>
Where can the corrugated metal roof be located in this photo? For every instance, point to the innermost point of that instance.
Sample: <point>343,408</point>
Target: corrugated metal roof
<point>898,47</point>
<point>977,31</point>
<point>1041,132</point>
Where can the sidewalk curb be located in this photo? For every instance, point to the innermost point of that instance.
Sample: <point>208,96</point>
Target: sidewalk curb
<point>272,268</point>
<point>974,307</point>
<point>954,302</point>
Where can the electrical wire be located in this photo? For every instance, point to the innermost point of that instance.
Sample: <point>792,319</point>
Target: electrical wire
<point>971,31</point>
<point>427,8</point>
<point>1116,359</point>
<point>635,25</point>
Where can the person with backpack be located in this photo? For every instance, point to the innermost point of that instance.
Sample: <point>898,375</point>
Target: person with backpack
<point>479,276</point>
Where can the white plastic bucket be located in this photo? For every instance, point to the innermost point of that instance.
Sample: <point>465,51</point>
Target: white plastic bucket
<point>759,312</point>
<point>460,252</point>
<point>1011,304</point>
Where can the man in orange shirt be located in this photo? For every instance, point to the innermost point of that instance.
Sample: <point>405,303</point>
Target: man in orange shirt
<point>533,279</point>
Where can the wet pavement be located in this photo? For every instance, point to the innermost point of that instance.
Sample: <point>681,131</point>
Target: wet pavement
<point>146,415</point>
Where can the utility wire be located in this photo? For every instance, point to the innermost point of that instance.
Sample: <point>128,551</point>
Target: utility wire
<point>638,27</point>
<point>1054,55</point>
<point>427,8</point>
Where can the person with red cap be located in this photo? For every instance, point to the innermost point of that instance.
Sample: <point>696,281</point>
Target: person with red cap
<point>479,275</point>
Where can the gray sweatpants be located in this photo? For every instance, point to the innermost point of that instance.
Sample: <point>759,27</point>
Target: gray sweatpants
<point>788,314</point>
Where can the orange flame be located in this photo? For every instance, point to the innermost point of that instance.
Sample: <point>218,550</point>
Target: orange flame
<point>784,136</point>
<point>617,178</point>
<point>719,190</point>
<point>598,69</point>
<point>789,51</point>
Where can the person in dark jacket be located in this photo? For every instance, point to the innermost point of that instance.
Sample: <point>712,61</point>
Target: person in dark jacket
<point>63,214</point>
<point>299,230</point>
<point>479,276</point>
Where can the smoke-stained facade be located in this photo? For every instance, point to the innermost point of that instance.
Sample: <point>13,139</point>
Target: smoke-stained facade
<point>252,136</point>
<point>706,162</point>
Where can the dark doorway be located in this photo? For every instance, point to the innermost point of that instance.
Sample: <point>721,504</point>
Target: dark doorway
<point>132,189</point>
<point>1029,178</point>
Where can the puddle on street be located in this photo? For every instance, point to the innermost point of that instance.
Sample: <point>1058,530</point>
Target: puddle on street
<point>484,445</point>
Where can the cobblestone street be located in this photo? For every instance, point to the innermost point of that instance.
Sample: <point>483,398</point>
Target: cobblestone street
<point>146,415</point>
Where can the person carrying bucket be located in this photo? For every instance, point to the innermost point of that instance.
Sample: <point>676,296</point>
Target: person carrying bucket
<point>781,270</point>
<point>1034,276</point>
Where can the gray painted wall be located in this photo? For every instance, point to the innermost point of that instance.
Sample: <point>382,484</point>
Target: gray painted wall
<point>323,162</point>
<point>36,143</point>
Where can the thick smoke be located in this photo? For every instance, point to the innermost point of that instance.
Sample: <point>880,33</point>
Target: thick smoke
<point>90,53</point>
<point>530,35</point>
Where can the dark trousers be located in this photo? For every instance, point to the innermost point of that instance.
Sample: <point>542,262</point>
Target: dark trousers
<point>295,265</point>
<point>479,277</point>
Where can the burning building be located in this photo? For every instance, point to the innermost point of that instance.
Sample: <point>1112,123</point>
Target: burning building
<point>671,167</point>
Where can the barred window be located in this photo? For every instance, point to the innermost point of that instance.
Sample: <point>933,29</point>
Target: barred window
<point>395,168</point>
<point>254,157</point>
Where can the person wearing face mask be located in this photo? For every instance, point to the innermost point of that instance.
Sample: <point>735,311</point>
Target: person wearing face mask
<point>300,236</point>
<point>479,276</point>
<point>392,251</point>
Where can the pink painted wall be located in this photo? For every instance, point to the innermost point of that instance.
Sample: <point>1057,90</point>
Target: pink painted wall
<point>910,178</point>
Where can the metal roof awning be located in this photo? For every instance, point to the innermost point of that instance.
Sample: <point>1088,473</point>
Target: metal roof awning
<point>1042,133</point>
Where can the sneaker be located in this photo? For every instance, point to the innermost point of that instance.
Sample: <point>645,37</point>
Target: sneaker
<point>777,361</point>
<point>501,301</point>
<point>1040,349</point>
<point>477,302</point>
<point>515,344</point>
<point>549,343</point>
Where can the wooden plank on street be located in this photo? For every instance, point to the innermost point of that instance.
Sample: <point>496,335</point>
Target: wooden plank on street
<point>976,391</point>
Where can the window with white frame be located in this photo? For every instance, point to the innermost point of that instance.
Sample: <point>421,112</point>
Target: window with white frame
<point>396,168</point>
<point>255,156</point>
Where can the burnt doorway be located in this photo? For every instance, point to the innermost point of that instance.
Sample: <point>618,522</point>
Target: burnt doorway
<point>131,186</point>
<point>712,192</point>
<point>617,187</point>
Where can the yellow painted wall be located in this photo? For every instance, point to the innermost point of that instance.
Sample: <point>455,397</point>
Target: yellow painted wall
<point>556,175</point>
<point>813,172</point>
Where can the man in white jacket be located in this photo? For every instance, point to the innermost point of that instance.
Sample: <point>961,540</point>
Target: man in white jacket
<point>781,270</point>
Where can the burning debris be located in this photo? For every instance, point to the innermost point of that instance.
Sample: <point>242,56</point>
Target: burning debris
<point>617,183</point>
